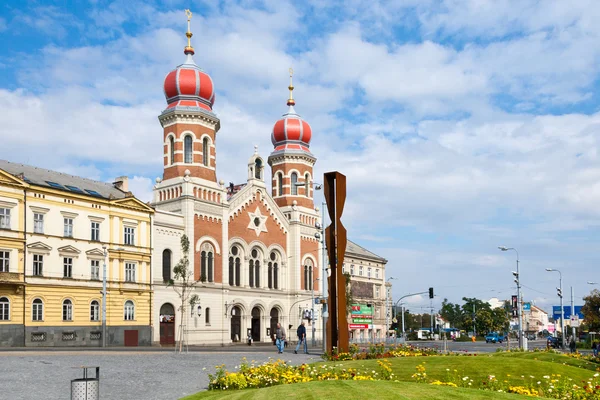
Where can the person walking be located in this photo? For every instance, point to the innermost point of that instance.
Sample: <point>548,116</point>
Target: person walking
<point>572,345</point>
<point>301,332</point>
<point>280,338</point>
<point>595,348</point>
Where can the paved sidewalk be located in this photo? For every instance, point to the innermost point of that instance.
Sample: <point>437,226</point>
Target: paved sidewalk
<point>124,374</point>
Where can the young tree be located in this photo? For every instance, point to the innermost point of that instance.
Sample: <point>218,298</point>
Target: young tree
<point>451,313</point>
<point>349,297</point>
<point>183,283</point>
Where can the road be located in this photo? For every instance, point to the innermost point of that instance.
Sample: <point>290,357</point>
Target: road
<point>476,347</point>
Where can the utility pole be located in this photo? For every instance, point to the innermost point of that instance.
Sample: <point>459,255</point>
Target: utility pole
<point>474,331</point>
<point>431,315</point>
<point>573,329</point>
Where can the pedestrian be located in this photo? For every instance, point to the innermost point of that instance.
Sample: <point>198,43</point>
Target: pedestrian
<point>280,338</point>
<point>301,339</point>
<point>595,348</point>
<point>572,345</point>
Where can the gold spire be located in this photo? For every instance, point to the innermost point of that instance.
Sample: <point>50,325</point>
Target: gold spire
<point>291,101</point>
<point>188,49</point>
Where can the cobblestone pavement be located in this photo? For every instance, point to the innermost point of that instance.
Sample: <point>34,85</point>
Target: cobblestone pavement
<point>127,375</point>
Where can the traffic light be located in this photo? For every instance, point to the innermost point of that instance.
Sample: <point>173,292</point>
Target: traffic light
<point>431,293</point>
<point>559,292</point>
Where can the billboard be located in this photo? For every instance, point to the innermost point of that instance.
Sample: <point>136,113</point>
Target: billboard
<point>567,311</point>
<point>361,316</point>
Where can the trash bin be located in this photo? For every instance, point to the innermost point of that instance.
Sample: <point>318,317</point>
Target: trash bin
<point>86,388</point>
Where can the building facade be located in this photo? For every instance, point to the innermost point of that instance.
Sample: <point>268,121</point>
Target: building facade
<point>57,231</point>
<point>369,290</point>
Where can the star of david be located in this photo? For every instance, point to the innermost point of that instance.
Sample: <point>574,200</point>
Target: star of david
<point>257,222</point>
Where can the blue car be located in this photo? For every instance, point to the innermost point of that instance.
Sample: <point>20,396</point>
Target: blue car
<point>494,337</point>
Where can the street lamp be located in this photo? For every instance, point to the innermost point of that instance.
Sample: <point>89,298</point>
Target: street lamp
<point>388,301</point>
<point>518,282</point>
<point>562,311</point>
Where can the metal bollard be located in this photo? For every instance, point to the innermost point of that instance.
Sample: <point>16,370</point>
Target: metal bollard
<point>86,388</point>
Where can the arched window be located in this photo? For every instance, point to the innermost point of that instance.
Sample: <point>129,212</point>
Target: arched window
<point>273,271</point>
<point>166,265</point>
<point>258,168</point>
<point>254,268</point>
<point>188,150</point>
<point>280,184</point>
<point>171,150</point>
<point>207,316</point>
<point>67,310</point>
<point>206,263</point>
<point>205,152</point>
<point>234,266</point>
<point>294,181</point>
<point>4,309</point>
<point>94,310</point>
<point>308,274</point>
<point>306,185</point>
<point>129,311</point>
<point>37,310</point>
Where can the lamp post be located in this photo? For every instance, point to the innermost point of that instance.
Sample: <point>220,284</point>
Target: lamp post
<point>388,301</point>
<point>319,235</point>
<point>396,306</point>
<point>562,310</point>
<point>104,298</point>
<point>518,282</point>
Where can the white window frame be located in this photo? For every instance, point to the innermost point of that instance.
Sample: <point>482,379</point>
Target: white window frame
<point>68,263</point>
<point>4,218</point>
<point>95,231</point>
<point>37,310</point>
<point>377,273</point>
<point>129,311</point>
<point>68,223</point>
<point>369,272</point>
<point>360,270</point>
<point>129,235</point>
<point>5,309</point>
<point>4,260</point>
<point>376,292</point>
<point>352,269</point>
<point>38,223</point>
<point>38,265</point>
<point>95,270</point>
<point>130,268</point>
<point>95,311</point>
<point>68,308</point>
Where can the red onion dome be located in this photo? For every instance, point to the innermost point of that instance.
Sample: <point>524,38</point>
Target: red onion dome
<point>189,86</point>
<point>291,129</point>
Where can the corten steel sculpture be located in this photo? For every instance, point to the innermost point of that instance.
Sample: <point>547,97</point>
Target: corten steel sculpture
<point>335,237</point>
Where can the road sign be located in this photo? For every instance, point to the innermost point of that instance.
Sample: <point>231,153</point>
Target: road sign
<point>567,311</point>
<point>527,307</point>
<point>358,326</point>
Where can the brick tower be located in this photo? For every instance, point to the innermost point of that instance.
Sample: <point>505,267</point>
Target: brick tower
<point>291,160</point>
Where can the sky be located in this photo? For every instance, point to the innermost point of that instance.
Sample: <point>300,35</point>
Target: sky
<point>461,125</point>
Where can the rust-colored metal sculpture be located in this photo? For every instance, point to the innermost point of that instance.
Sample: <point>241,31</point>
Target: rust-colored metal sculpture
<point>335,238</point>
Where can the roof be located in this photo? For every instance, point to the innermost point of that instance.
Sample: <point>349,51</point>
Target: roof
<point>60,181</point>
<point>360,251</point>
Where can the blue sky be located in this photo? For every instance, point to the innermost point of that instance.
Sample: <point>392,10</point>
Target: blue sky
<point>461,125</point>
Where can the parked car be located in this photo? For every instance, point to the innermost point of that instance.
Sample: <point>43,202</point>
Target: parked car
<point>494,337</point>
<point>531,336</point>
<point>553,342</point>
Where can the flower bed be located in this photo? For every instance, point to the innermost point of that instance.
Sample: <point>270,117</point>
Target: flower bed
<point>379,351</point>
<point>280,373</point>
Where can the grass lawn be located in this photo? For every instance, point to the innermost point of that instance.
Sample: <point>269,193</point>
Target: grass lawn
<point>351,390</point>
<point>516,368</point>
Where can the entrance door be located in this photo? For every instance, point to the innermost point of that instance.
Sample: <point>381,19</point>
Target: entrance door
<point>167,325</point>
<point>236,324</point>
<point>256,324</point>
<point>274,321</point>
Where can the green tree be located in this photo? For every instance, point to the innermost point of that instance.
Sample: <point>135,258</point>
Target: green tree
<point>452,313</point>
<point>591,309</point>
<point>349,296</point>
<point>183,283</point>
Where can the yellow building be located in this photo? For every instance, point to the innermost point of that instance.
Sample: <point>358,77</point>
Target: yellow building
<point>57,234</point>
